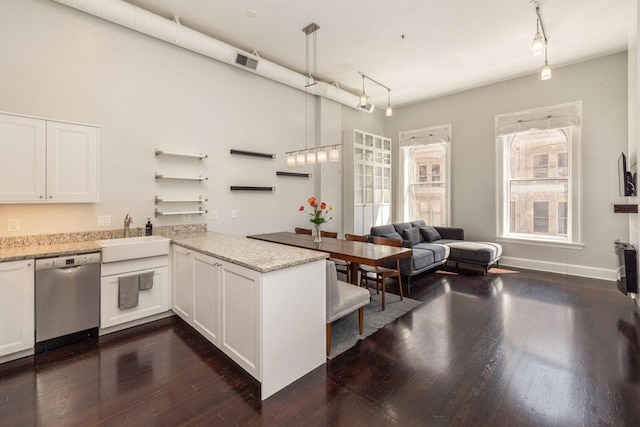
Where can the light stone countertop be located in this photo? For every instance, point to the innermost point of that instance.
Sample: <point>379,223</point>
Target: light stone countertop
<point>43,251</point>
<point>253,254</point>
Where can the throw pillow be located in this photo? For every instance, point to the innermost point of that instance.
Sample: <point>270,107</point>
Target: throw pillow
<point>394,236</point>
<point>430,234</point>
<point>412,235</point>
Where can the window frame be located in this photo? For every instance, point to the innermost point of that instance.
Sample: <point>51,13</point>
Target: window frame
<point>573,238</point>
<point>432,135</point>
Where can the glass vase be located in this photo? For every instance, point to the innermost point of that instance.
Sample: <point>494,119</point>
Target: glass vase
<point>317,234</point>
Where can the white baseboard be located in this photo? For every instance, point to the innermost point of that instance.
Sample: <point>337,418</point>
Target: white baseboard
<point>554,267</point>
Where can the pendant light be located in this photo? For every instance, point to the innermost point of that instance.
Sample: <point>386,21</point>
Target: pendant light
<point>363,97</point>
<point>389,112</point>
<point>334,154</point>
<point>313,155</point>
<point>538,42</point>
<point>540,45</point>
<point>321,156</point>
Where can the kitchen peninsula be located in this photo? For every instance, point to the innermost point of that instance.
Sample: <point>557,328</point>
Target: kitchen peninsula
<point>262,304</point>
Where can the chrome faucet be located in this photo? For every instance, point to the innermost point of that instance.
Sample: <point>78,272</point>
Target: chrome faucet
<point>127,221</point>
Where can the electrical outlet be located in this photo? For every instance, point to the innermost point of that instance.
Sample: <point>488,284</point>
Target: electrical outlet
<point>214,214</point>
<point>14,225</point>
<point>186,218</point>
<point>104,220</point>
<point>234,214</point>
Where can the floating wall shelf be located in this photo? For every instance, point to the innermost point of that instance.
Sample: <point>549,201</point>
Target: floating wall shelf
<point>170,153</point>
<point>625,208</point>
<point>198,199</point>
<point>293,174</point>
<point>241,188</point>
<point>186,178</point>
<point>253,154</point>
<point>198,212</point>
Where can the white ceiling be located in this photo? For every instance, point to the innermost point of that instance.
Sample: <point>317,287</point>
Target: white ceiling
<point>448,45</point>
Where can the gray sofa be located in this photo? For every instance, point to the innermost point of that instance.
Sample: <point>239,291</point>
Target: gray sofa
<point>429,249</point>
<point>434,246</point>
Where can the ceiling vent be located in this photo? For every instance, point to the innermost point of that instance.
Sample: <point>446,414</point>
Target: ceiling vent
<point>246,62</point>
<point>368,108</point>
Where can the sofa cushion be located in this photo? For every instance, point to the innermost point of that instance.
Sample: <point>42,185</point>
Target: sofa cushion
<point>422,258</point>
<point>402,226</point>
<point>381,230</point>
<point>483,253</point>
<point>430,234</point>
<point>419,223</point>
<point>440,252</point>
<point>394,236</point>
<point>412,235</point>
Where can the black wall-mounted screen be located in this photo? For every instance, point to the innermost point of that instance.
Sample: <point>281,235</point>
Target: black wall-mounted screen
<point>625,178</point>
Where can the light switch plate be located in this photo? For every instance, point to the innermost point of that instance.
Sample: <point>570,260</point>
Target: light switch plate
<point>14,224</point>
<point>186,218</point>
<point>234,214</point>
<point>214,214</point>
<point>104,220</point>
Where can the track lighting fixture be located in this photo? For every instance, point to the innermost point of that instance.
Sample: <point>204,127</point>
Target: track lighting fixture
<point>364,99</point>
<point>540,44</point>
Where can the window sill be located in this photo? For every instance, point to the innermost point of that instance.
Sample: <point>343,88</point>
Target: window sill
<point>540,242</point>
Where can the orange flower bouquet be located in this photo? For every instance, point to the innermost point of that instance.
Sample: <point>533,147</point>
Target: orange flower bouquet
<point>319,213</point>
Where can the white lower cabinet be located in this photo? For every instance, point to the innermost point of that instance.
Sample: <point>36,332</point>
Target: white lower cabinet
<point>151,301</point>
<point>16,308</point>
<point>221,301</point>
<point>271,324</point>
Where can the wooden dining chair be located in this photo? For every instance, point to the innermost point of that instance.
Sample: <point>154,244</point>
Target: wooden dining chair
<point>331,234</point>
<point>381,274</point>
<point>354,238</point>
<point>299,230</point>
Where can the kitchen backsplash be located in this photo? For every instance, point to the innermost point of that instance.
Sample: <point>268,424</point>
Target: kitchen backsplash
<point>49,239</point>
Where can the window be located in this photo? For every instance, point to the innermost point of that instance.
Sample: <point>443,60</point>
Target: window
<point>423,173</point>
<point>541,166</point>
<point>541,217</point>
<point>539,195</point>
<point>562,218</point>
<point>435,173</point>
<point>424,164</point>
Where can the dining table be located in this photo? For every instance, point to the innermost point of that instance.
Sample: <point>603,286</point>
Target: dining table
<point>355,253</point>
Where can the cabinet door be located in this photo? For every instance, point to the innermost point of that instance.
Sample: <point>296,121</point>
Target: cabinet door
<point>72,162</point>
<point>206,293</point>
<point>240,328</point>
<point>183,283</point>
<point>16,306</point>
<point>150,301</point>
<point>22,159</point>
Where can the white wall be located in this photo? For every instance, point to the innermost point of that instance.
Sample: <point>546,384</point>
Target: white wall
<point>601,85</point>
<point>61,63</point>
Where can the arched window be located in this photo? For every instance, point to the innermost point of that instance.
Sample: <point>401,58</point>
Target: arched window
<point>538,177</point>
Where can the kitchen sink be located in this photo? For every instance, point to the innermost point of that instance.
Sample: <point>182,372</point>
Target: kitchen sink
<point>133,248</point>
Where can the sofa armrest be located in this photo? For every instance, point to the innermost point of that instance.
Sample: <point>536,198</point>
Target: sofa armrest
<point>451,233</point>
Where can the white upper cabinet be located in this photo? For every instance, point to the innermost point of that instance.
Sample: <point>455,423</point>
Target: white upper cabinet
<point>23,159</point>
<point>72,162</point>
<point>47,161</point>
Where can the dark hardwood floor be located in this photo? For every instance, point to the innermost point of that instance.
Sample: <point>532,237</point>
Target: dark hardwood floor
<point>507,348</point>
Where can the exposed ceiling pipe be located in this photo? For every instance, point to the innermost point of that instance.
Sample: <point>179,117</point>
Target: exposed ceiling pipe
<point>171,31</point>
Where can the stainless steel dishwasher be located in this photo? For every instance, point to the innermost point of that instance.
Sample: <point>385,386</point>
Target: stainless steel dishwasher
<point>67,299</point>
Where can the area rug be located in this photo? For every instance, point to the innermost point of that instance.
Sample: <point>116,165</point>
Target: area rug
<point>344,331</point>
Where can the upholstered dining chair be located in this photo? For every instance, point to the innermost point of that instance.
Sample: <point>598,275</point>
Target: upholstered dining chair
<point>342,299</point>
<point>381,274</point>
